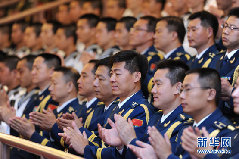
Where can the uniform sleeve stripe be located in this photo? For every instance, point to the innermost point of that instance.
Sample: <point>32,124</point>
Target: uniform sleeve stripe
<point>128,113</point>
<point>98,153</point>
<point>62,142</point>
<point>88,120</point>
<point>214,133</point>
<point>171,129</point>
<point>146,112</point>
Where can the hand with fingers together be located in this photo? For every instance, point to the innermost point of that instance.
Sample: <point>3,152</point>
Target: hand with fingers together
<point>111,136</point>
<point>125,129</point>
<point>189,141</point>
<point>160,144</point>
<point>23,126</point>
<point>45,120</point>
<point>67,119</point>
<point>75,138</point>
<point>6,113</point>
<point>144,151</point>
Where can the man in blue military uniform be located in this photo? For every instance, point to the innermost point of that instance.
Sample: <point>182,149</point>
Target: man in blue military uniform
<point>201,32</point>
<point>226,63</point>
<point>200,96</point>
<point>128,71</point>
<point>63,89</point>
<point>141,38</point>
<point>170,117</point>
<point>169,36</point>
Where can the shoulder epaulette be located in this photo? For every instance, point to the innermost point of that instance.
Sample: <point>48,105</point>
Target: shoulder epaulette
<point>221,125</point>
<point>100,103</point>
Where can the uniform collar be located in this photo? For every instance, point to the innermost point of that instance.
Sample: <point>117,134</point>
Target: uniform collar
<point>200,122</point>
<point>88,104</point>
<point>124,101</point>
<point>230,54</point>
<point>59,108</point>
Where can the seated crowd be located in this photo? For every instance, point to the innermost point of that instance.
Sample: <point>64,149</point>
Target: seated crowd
<point>125,85</point>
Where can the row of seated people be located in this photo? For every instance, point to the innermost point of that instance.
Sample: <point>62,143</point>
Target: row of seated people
<point>224,63</point>
<point>115,114</point>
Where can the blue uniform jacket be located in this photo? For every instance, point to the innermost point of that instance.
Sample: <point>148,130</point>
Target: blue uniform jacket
<point>180,54</point>
<point>47,139</point>
<point>216,124</point>
<point>171,126</point>
<point>205,60</point>
<point>136,108</point>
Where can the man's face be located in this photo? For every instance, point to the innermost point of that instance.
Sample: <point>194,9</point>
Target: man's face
<point>194,98</point>
<point>24,74</point>
<point>235,96</point>
<point>178,5</point>
<point>102,83</point>
<point>58,86</point>
<point>61,40</point>
<point>47,34</point>
<point>121,35</point>
<point>161,36</point>
<point>194,4</point>
<point>75,10</point>
<point>102,35</point>
<point>139,34</point>
<point>40,72</point>
<point>85,82</point>
<point>122,80</point>
<point>222,4</point>
<point>84,32</point>
<point>5,74</point>
<point>163,92</point>
<point>17,34</point>
<point>230,38</point>
<point>112,9</point>
<point>30,37</point>
<point>87,8</point>
<point>197,34</point>
<point>62,14</point>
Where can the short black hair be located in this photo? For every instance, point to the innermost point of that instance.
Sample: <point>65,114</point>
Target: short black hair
<point>162,2</point>
<point>207,20</point>
<point>208,78</point>
<point>30,60</point>
<point>176,70</point>
<point>151,23</point>
<point>175,24</point>
<point>51,60</point>
<point>55,25</point>
<point>104,62</point>
<point>92,19</point>
<point>134,62</point>
<point>69,31</point>
<point>234,12</point>
<point>110,23</point>
<point>70,75</point>
<point>128,22</point>
<point>94,62</point>
<point>36,28</point>
<point>10,62</point>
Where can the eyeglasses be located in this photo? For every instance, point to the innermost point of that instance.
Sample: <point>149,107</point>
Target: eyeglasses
<point>137,29</point>
<point>186,90</point>
<point>231,27</point>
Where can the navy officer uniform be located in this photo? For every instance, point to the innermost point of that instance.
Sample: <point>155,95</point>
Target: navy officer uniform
<point>139,111</point>
<point>172,125</point>
<point>179,54</point>
<point>227,68</point>
<point>205,59</point>
<point>153,57</point>
<point>47,139</point>
<point>216,124</point>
